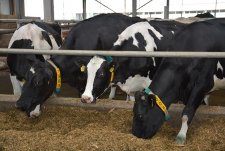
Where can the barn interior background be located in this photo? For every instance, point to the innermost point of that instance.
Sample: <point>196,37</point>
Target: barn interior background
<point>87,130</point>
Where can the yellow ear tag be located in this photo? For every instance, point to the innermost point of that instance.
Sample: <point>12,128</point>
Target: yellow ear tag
<point>58,81</point>
<point>112,73</point>
<point>82,68</point>
<point>162,106</point>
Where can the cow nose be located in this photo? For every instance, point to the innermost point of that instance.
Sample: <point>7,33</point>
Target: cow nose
<point>86,99</point>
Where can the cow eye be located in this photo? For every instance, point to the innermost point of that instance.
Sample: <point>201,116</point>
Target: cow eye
<point>101,75</point>
<point>37,82</point>
<point>145,103</point>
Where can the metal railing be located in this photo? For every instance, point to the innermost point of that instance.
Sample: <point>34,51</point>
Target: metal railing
<point>7,31</point>
<point>117,53</point>
<point>62,23</point>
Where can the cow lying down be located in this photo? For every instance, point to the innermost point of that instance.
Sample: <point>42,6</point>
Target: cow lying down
<point>185,79</point>
<point>32,77</point>
<point>130,74</point>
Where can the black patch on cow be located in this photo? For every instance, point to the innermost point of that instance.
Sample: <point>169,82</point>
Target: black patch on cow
<point>141,41</point>
<point>219,74</point>
<point>156,40</point>
<point>52,29</point>
<point>22,43</point>
<point>46,37</point>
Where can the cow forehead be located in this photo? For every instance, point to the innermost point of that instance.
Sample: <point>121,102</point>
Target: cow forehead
<point>95,63</point>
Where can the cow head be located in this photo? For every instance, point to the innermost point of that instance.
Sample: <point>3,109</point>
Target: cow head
<point>38,86</point>
<point>99,74</point>
<point>148,117</point>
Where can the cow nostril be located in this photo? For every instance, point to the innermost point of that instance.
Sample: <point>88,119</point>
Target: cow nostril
<point>85,99</point>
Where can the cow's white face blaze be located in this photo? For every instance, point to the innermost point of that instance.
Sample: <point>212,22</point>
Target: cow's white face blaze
<point>97,79</point>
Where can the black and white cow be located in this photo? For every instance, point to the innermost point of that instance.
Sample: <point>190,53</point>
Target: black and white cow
<point>31,77</point>
<point>96,33</point>
<point>185,79</point>
<point>130,74</point>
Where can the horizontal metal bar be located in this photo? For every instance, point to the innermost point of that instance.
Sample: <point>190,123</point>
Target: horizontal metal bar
<point>7,31</point>
<point>7,102</point>
<point>67,21</point>
<point>67,26</point>
<point>34,19</point>
<point>8,20</point>
<point>117,53</point>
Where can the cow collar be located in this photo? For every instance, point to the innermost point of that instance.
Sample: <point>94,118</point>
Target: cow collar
<point>159,102</point>
<point>58,77</point>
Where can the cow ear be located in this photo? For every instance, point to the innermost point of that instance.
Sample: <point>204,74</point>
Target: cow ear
<point>119,60</point>
<point>151,100</point>
<point>80,66</point>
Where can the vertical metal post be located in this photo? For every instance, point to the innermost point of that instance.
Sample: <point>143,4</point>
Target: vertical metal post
<point>48,10</point>
<point>125,6</point>
<point>182,8</point>
<point>215,8</point>
<point>84,9</point>
<point>19,9</point>
<point>166,10</point>
<point>134,8</point>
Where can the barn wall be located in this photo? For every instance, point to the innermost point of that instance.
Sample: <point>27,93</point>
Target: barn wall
<point>4,7</point>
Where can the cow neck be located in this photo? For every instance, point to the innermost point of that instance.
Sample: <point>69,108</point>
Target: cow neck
<point>58,77</point>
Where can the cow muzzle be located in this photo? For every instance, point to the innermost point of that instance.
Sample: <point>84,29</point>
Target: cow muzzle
<point>36,112</point>
<point>87,99</point>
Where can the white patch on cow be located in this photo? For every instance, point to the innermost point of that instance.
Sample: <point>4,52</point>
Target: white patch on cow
<point>133,84</point>
<point>184,127</point>
<point>172,32</point>
<point>218,83</point>
<point>32,70</point>
<point>36,112</point>
<point>33,32</point>
<point>142,28</point>
<point>17,88</point>
<point>206,99</point>
<point>92,67</point>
